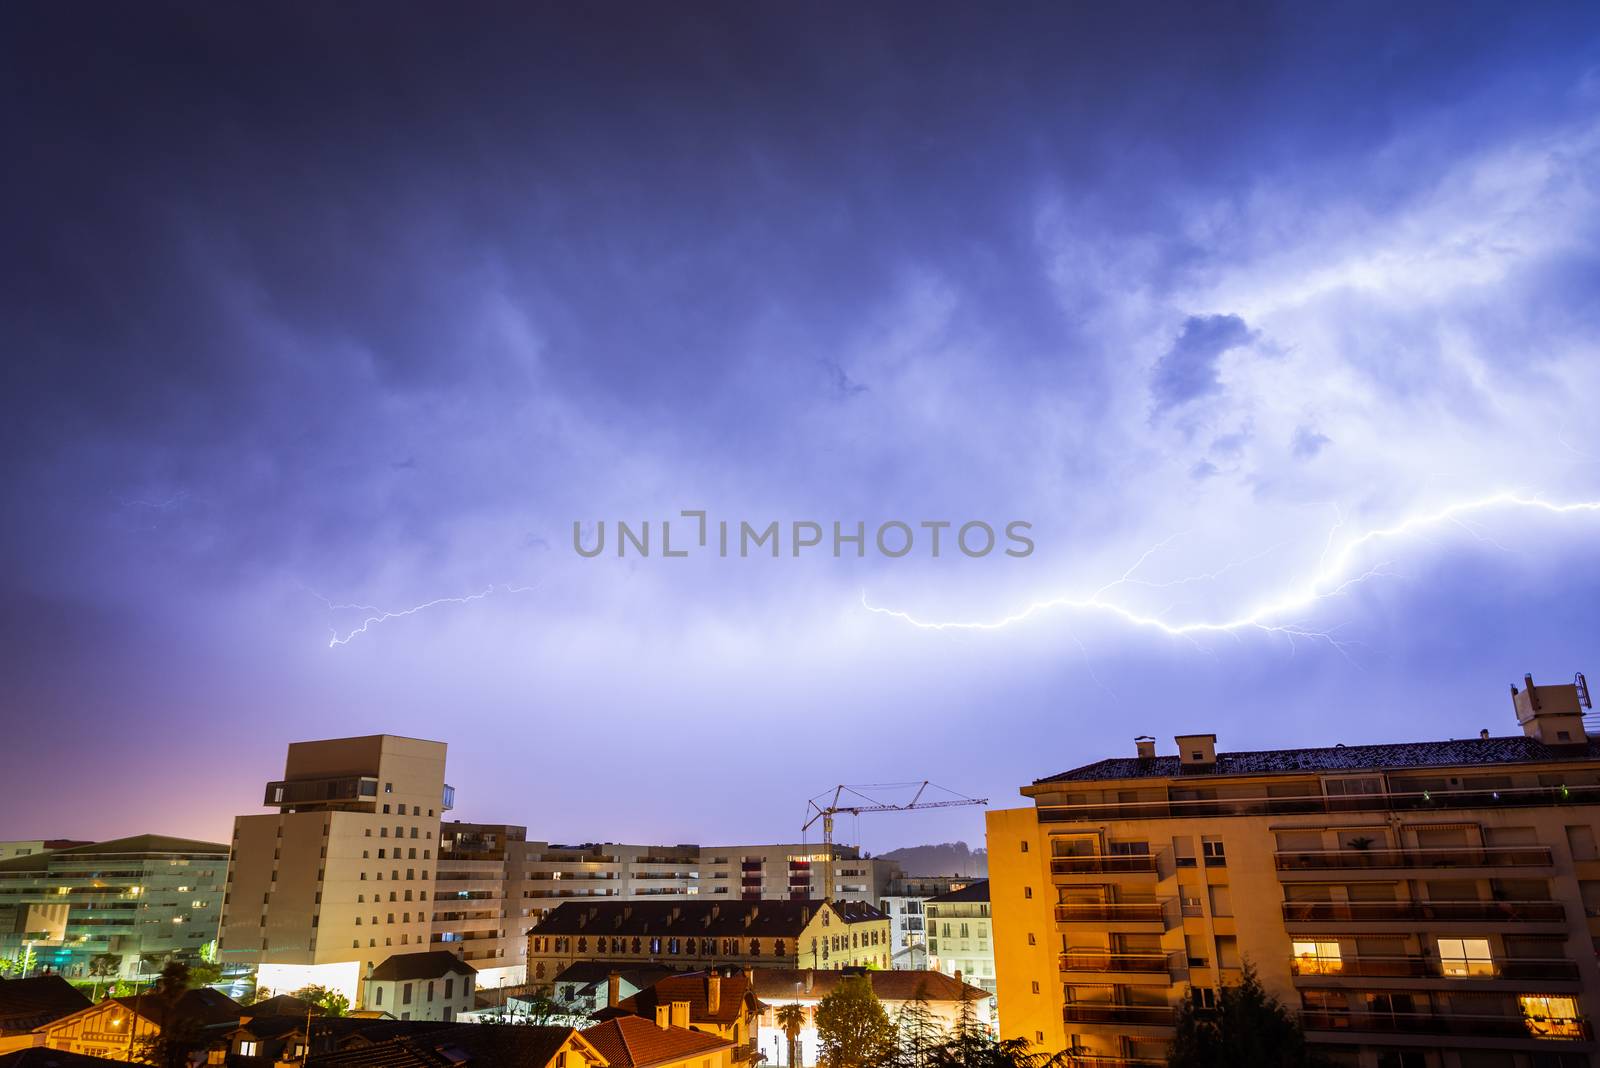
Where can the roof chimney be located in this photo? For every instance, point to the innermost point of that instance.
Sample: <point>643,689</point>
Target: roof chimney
<point>1147,746</point>
<point>713,991</point>
<point>1197,752</point>
<point>680,1014</point>
<point>613,988</point>
<point>1551,714</point>
<point>663,1016</point>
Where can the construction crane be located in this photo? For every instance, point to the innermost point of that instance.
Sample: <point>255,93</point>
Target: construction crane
<point>858,802</point>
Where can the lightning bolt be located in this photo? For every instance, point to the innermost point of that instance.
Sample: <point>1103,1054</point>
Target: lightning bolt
<point>1335,573</point>
<point>377,615</point>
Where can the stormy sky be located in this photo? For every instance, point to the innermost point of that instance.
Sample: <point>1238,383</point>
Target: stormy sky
<point>317,313</point>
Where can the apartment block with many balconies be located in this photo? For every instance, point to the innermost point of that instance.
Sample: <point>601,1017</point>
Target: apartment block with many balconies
<point>1422,905</point>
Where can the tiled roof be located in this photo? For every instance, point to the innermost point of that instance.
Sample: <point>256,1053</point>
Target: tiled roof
<point>978,891</point>
<point>29,1003</point>
<point>280,1005</point>
<point>433,964</point>
<point>786,984</point>
<point>634,1042</point>
<point>695,988</point>
<point>452,1045</point>
<point>698,919</point>
<point>39,1057</point>
<point>1465,752</point>
<point>203,1005</point>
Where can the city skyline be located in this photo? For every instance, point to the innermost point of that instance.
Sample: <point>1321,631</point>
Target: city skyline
<point>327,326</point>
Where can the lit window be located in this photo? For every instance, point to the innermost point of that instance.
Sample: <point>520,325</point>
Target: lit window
<point>1317,958</point>
<point>1465,956</point>
<point>1554,1017</point>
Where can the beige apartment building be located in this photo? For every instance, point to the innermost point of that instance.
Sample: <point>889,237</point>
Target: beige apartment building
<point>1421,905</point>
<point>341,877</point>
<point>959,935</point>
<point>696,934</point>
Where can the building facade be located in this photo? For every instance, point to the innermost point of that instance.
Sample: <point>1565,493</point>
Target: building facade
<point>106,906</point>
<point>697,934</point>
<point>959,935</point>
<point>342,875</point>
<point>904,901</point>
<point>435,985</point>
<point>1424,905</point>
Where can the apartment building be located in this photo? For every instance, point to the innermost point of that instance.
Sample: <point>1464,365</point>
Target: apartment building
<point>697,934</point>
<point>959,942</point>
<point>905,902</point>
<point>481,903</point>
<point>77,908</point>
<point>341,877</point>
<point>1420,905</point>
<point>35,846</point>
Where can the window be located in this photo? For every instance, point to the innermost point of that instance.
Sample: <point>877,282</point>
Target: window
<point>1211,849</point>
<point>1032,940</point>
<point>1555,1017</point>
<point>405,994</point>
<point>377,995</point>
<point>1317,958</point>
<point>1024,845</point>
<point>247,1049</point>
<point>1027,892</point>
<point>1036,986</point>
<point>1465,956</point>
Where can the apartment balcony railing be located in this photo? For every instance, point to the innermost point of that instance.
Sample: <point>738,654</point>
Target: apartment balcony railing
<point>1138,912</point>
<point>1140,1015</point>
<point>1462,857</point>
<point>1423,911</point>
<point>1317,804</point>
<point>1103,865</point>
<point>1094,1060</point>
<point>1425,1023</point>
<point>1103,960</point>
<point>1309,969</point>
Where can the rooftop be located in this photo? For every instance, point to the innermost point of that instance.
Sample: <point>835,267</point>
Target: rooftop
<point>29,1003</point>
<point>974,891</point>
<point>1456,753</point>
<point>780,984</point>
<point>708,919</point>
<point>634,1042</point>
<point>693,988</point>
<point>430,965</point>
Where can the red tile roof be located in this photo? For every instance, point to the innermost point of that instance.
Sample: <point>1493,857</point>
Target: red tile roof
<point>695,988</point>
<point>634,1042</point>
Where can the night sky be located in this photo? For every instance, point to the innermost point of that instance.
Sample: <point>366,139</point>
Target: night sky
<point>312,306</point>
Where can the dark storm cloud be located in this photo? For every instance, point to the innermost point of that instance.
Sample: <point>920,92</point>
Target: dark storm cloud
<point>1308,443</point>
<point>1189,368</point>
<point>374,299</point>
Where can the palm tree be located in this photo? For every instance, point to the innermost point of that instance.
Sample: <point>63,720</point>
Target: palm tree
<point>792,1018</point>
<point>103,966</point>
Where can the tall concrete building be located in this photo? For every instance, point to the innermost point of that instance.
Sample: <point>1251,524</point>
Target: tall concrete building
<point>74,906</point>
<point>1418,905</point>
<point>342,875</point>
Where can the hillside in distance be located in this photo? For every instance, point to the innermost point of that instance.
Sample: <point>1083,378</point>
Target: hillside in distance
<point>946,858</point>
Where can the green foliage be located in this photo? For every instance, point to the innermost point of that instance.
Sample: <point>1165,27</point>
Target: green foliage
<point>792,1018</point>
<point>328,1002</point>
<point>204,975</point>
<point>918,1032</point>
<point>852,1027</point>
<point>1249,1028</point>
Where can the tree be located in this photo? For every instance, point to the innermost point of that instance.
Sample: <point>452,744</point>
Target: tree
<point>792,1018</point>
<point>177,1036</point>
<point>328,1002</point>
<point>852,1028</point>
<point>918,1031</point>
<point>1249,1028</point>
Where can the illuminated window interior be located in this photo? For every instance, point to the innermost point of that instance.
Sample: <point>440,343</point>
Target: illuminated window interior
<point>1318,958</point>
<point>1466,956</point>
<point>1554,1017</point>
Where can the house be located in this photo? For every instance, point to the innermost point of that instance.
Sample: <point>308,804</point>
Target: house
<point>115,1027</point>
<point>715,1004</point>
<point>27,1004</point>
<point>475,1045</point>
<point>946,998</point>
<point>590,985</point>
<point>665,1042</point>
<point>421,986</point>
<point>696,934</point>
<point>959,934</point>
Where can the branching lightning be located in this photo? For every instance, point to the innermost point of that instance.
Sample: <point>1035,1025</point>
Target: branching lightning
<point>376,615</point>
<point>1336,572</point>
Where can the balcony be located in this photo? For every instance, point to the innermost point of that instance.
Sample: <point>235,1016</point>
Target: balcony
<point>321,791</point>
<point>1319,805</point>
<point>1133,1015</point>
<point>1573,1029</point>
<point>1311,969</point>
<point>1104,960</point>
<point>1110,912</point>
<point>1103,865</point>
<point>1465,857</point>
<point>1423,912</point>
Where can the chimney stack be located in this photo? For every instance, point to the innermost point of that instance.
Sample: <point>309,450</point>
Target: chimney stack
<point>680,1014</point>
<point>810,974</point>
<point>663,1016</point>
<point>713,991</point>
<point>613,988</point>
<point>1197,752</point>
<point>1147,746</point>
